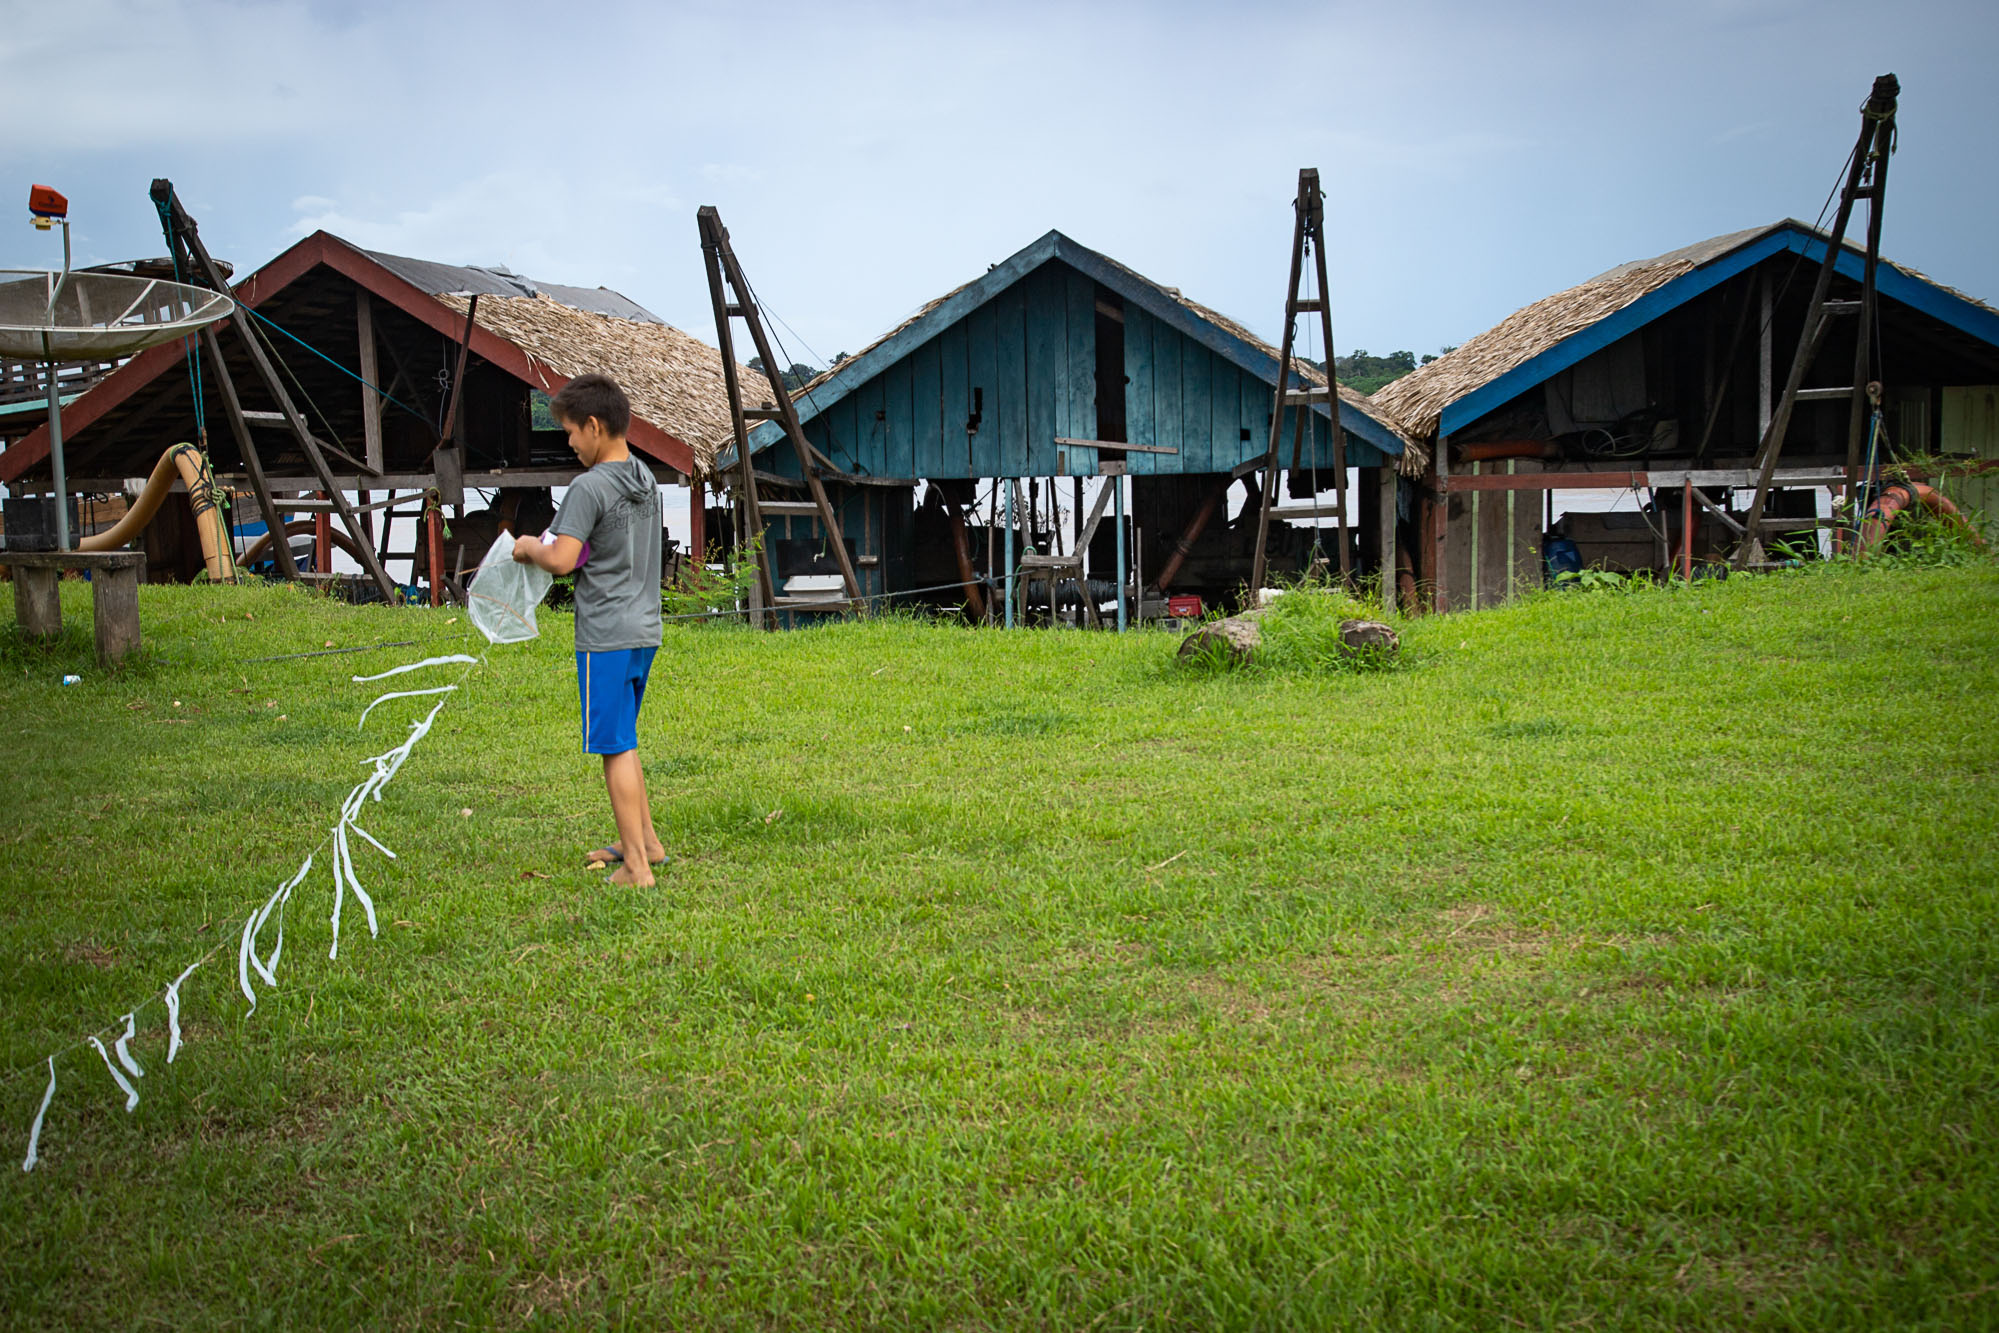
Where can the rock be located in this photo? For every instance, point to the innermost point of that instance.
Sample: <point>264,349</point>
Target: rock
<point>1370,636</point>
<point>1237,636</point>
<point>1240,636</point>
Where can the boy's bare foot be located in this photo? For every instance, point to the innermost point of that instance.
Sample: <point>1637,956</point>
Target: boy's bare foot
<point>641,876</point>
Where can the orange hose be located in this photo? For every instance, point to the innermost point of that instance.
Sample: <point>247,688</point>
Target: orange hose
<point>1893,500</point>
<point>187,461</point>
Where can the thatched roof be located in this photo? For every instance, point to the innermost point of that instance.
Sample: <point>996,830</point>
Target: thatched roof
<point>1417,400</point>
<point>673,379</point>
<point>1414,458</point>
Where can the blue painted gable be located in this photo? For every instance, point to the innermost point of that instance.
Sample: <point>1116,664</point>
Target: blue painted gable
<point>986,380</point>
<point>1893,282</point>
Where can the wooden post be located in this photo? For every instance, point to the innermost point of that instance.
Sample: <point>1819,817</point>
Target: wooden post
<point>433,531</point>
<point>114,598</point>
<point>371,401</point>
<point>322,541</point>
<point>1687,532</point>
<point>1440,524</point>
<point>37,603</point>
<point>1388,482</point>
<point>697,516</point>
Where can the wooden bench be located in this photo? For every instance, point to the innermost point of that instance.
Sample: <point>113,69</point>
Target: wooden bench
<point>114,595</point>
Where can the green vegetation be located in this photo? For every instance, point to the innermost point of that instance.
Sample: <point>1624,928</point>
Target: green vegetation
<point>1621,961</point>
<point>1366,372</point>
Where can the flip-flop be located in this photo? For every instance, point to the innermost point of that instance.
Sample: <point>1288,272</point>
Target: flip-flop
<point>611,856</point>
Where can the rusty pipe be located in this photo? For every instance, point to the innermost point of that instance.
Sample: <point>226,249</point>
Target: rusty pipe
<point>961,543</point>
<point>1183,547</point>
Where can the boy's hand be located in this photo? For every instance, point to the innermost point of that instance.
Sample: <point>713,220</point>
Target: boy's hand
<point>524,549</point>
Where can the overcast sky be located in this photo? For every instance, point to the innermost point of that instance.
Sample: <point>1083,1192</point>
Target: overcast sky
<point>1478,156</point>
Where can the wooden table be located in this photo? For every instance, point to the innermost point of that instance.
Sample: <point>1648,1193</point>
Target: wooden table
<point>114,595</point>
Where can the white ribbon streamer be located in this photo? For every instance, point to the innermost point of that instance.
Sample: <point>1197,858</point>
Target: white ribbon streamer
<point>399,694</point>
<point>124,1084</point>
<point>35,1130</point>
<point>123,1046</point>
<point>416,666</point>
<point>173,1010</point>
<point>385,767</point>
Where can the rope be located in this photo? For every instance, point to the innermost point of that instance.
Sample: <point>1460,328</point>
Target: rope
<point>386,395</point>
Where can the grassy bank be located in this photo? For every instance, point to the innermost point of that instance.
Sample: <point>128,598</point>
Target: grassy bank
<point>1626,960</point>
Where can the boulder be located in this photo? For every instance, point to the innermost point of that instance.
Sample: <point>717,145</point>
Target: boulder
<point>1236,636</point>
<point>1370,636</point>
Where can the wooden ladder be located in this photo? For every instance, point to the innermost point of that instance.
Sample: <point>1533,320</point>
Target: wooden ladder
<point>1307,233</point>
<point>733,299</point>
<point>1866,179</point>
<point>185,245</point>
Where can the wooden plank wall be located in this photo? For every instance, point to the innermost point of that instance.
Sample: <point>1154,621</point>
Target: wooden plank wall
<point>1495,534</point>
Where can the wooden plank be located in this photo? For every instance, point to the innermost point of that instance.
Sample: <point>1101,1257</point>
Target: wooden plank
<point>899,423</point>
<point>1460,534</point>
<point>1045,368</point>
<point>954,403</point>
<point>1168,427</point>
<point>1140,421</point>
<point>1197,422</point>
<point>982,366</point>
<point>1081,386</point>
<point>1525,554</point>
<point>1253,398</point>
<point>870,442</point>
<point>926,394</point>
<point>1115,444</point>
<point>1006,402</point>
<point>1544,481</point>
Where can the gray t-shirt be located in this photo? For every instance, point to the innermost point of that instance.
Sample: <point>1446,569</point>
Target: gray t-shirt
<point>615,508</point>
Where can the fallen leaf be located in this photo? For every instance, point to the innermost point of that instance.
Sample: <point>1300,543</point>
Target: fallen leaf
<point>773,816</point>
<point>136,703</point>
<point>283,716</point>
<point>466,813</point>
<point>595,865</point>
<point>176,703</point>
<point>810,997</point>
<point>533,874</point>
<point>248,616</point>
<point>270,703</point>
<point>452,621</point>
<point>905,726</point>
<point>329,643</point>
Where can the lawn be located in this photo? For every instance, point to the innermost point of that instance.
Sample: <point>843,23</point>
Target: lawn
<point>1624,960</point>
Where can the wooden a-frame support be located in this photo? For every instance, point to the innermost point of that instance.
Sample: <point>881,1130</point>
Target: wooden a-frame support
<point>725,278</point>
<point>184,241</point>
<point>1308,231</point>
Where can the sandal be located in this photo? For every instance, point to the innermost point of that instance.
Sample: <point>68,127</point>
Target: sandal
<point>611,856</point>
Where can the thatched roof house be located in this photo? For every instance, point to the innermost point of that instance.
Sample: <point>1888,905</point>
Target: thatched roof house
<point>340,318</point>
<point>1667,365</point>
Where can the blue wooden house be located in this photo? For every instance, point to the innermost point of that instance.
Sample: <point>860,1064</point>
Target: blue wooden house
<point>1056,366</point>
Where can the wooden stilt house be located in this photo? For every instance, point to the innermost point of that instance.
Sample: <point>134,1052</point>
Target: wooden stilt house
<point>1659,378</point>
<point>368,345</point>
<point>1007,406</point>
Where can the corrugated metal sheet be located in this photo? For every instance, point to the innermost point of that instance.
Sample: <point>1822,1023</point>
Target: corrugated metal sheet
<point>498,280</point>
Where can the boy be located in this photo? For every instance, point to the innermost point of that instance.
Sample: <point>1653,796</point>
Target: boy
<point>614,509</point>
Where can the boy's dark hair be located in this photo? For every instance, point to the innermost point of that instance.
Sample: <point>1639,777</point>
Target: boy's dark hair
<point>594,395</point>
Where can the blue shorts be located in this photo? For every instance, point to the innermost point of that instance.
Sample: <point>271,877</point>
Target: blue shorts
<point>612,686</point>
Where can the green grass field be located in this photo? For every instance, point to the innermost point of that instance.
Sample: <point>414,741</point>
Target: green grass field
<point>1623,961</point>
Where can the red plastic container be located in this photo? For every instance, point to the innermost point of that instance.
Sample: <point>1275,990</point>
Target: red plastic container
<point>1183,608</point>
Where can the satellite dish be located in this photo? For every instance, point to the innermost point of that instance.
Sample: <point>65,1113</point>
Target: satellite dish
<point>81,316</point>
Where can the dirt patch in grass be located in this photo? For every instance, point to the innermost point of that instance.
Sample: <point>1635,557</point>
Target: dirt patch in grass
<point>90,952</point>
